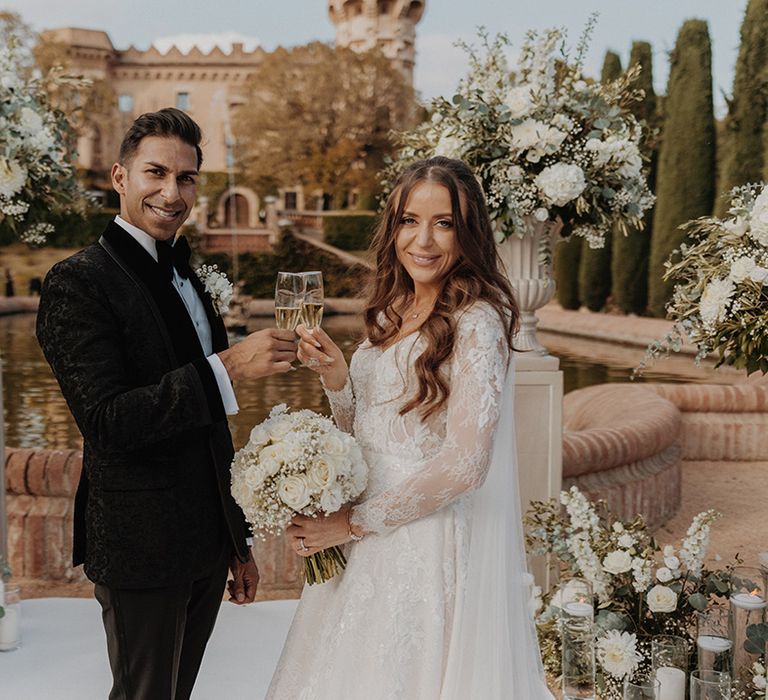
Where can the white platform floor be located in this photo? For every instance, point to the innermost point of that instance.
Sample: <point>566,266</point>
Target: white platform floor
<point>63,654</point>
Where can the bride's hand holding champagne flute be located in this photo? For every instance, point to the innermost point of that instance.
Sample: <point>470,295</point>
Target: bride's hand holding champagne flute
<point>320,354</point>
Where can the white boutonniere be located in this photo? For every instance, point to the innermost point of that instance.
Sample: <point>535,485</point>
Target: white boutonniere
<point>217,286</point>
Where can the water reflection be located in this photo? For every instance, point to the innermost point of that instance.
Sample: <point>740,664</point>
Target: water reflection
<point>37,416</point>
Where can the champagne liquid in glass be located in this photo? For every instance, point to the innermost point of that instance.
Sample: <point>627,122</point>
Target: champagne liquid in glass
<point>312,308</point>
<point>311,314</point>
<point>289,295</point>
<point>287,317</point>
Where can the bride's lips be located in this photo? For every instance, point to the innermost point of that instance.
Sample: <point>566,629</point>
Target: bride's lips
<point>424,260</point>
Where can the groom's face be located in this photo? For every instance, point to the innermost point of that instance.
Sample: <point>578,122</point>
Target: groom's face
<point>157,185</point>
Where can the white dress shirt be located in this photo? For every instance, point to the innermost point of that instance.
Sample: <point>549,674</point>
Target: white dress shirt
<point>196,312</point>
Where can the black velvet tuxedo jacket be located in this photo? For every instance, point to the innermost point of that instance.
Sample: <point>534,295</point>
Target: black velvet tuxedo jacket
<point>153,507</point>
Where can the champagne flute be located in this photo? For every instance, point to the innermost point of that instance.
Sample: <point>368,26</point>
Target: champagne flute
<point>289,294</point>
<point>312,307</point>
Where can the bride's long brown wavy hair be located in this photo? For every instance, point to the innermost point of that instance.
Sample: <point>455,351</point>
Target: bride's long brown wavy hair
<point>475,276</point>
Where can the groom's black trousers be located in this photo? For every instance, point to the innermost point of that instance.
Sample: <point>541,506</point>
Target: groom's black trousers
<point>156,636</point>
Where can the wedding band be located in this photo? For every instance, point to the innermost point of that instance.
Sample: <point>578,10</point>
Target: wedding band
<point>313,362</point>
<point>302,546</point>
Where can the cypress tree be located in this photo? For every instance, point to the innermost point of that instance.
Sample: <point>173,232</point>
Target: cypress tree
<point>745,145</point>
<point>566,272</point>
<point>629,259</point>
<point>686,174</point>
<point>595,263</point>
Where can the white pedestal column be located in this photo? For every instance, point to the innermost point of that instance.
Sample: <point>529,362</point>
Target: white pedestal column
<point>527,260</point>
<point>539,429</point>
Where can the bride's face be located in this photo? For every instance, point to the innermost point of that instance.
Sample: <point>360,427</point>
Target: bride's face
<point>426,240</point>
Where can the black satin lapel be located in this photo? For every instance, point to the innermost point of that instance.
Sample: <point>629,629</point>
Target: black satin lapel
<point>179,330</point>
<point>219,339</point>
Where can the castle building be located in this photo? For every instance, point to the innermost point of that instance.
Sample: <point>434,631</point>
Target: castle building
<point>209,85</point>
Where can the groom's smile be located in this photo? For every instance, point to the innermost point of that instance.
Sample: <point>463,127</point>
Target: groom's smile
<point>157,185</point>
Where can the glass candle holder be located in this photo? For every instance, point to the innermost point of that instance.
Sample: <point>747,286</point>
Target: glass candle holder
<point>747,607</point>
<point>645,688</point>
<point>578,639</point>
<point>669,665</point>
<point>713,640</point>
<point>710,685</point>
<point>10,623</point>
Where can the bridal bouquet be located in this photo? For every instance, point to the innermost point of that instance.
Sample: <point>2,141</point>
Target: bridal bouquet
<point>545,142</point>
<point>721,293</point>
<point>642,589</point>
<point>37,152</point>
<point>298,463</point>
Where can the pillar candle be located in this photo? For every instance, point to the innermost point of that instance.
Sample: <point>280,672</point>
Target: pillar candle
<point>672,683</point>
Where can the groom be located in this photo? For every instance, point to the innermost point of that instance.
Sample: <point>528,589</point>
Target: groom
<point>141,356</point>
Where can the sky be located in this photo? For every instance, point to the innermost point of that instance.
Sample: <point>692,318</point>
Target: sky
<point>439,64</point>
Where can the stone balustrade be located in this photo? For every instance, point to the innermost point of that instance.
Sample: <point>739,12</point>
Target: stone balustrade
<point>622,444</point>
<point>41,486</point>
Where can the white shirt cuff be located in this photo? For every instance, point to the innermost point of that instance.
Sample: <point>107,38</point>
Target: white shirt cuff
<point>225,385</point>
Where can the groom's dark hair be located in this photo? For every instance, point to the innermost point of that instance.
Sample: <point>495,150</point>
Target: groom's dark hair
<point>167,122</point>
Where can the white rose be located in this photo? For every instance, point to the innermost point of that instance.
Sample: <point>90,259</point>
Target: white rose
<point>669,551</point>
<point>279,429</point>
<point>519,101</point>
<point>322,473</point>
<point>664,574</point>
<point>271,457</point>
<point>617,562</point>
<point>541,214</point>
<point>331,499</point>
<point>255,476</point>
<point>661,599</point>
<point>449,146</point>
<point>741,268</point>
<point>331,445</point>
<point>259,436</point>
<point>294,492</point>
<point>527,134</point>
<point>672,562</point>
<point>561,183</point>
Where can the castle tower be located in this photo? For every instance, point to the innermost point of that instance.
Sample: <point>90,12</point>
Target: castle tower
<point>389,24</point>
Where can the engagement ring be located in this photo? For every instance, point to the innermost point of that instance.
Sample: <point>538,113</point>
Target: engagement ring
<point>313,362</point>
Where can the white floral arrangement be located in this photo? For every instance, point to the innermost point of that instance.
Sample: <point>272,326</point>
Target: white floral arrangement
<point>641,588</point>
<point>37,152</point>
<point>720,296</point>
<point>298,462</point>
<point>217,286</point>
<point>546,143</point>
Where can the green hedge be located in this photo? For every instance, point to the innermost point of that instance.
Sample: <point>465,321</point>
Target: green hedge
<point>685,183</point>
<point>258,271</point>
<point>566,272</point>
<point>349,231</point>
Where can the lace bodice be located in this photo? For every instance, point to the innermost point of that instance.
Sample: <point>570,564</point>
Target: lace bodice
<point>432,462</point>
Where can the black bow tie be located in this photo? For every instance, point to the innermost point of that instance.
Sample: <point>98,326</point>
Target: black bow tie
<point>170,256</point>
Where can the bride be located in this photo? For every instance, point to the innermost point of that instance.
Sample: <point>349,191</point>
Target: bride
<point>433,604</point>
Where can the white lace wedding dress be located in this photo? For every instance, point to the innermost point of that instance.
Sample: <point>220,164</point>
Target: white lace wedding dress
<point>410,618</point>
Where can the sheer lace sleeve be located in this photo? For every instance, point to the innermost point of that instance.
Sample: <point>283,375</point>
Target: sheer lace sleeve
<point>477,379</point>
<point>342,405</point>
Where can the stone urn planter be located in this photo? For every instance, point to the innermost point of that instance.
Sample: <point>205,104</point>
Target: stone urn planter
<point>527,260</point>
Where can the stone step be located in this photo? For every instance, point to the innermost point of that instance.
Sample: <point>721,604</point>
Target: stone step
<point>739,437</point>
